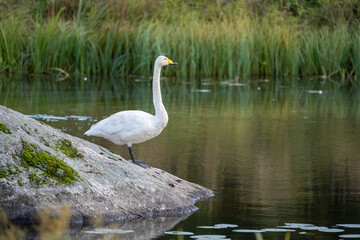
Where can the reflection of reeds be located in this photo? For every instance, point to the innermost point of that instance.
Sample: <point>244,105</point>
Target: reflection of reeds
<point>232,45</point>
<point>10,231</point>
<point>45,94</point>
<point>51,225</point>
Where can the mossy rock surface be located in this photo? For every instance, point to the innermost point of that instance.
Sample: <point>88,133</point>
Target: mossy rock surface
<point>66,147</point>
<point>3,174</point>
<point>41,166</point>
<point>4,129</point>
<point>51,166</point>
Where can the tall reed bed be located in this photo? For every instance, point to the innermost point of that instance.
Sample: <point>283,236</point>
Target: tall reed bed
<point>233,47</point>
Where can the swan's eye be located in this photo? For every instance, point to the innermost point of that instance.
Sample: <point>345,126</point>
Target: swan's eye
<point>165,59</point>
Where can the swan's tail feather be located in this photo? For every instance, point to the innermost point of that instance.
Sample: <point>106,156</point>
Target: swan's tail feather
<point>90,132</point>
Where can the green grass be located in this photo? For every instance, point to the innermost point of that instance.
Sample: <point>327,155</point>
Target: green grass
<point>209,39</point>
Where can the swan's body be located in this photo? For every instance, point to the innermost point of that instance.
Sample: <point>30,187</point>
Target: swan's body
<point>128,127</point>
<point>134,126</point>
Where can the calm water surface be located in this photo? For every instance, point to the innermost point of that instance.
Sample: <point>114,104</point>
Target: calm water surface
<point>273,154</point>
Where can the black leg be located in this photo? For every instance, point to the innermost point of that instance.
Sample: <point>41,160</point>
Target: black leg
<point>141,164</point>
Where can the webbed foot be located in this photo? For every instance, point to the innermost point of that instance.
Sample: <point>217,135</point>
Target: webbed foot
<point>141,164</point>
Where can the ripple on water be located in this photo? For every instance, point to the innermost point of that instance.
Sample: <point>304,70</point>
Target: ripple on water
<point>247,230</point>
<point>219,226</point>
<point>179,233</point>
<point>47,118</point>
<point>354,236</point>
<point>108,231</point>
<point>277,230</point>
<point>207,237</point>
<point>322,229</point>
<point>225,225</point>
<point>330,230</point>
<point>288,227</point>
<point>348,225</point>
<point>52,118</point>
<point>297,225</point>
<point>311,228</point>
<point>206,227</point>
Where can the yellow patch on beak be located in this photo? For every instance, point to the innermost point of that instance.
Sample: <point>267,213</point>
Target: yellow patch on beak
<point>169,61</point>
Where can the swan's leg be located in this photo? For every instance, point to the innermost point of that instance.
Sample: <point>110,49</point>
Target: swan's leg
<point>141,164</point>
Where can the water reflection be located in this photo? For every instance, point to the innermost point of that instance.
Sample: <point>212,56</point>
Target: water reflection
<point>135,229</point>
<point>273,152</point>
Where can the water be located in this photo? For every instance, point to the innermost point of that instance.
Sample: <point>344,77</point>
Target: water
<point>277,156</point>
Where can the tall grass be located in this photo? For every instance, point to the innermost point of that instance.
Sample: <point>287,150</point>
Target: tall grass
<point>328,52</point>
<point>231,44</point>
<point>12,46</point>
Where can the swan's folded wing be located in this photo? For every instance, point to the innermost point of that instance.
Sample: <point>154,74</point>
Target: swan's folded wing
<point>124,127</point>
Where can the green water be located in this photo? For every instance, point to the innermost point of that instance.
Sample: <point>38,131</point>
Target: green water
<point>273,152</point>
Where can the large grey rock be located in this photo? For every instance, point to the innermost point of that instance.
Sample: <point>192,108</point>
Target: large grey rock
<point>41,166</point>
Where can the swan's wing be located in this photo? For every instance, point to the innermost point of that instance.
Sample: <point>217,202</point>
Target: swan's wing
<point>125,122</point>
<point>129,121</point>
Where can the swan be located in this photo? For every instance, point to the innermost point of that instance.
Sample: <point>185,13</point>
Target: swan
<point>135,126</point>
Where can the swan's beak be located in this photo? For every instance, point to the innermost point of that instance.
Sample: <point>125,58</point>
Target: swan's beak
<point>171,62</point>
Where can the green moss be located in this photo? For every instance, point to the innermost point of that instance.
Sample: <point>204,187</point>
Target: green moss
<point>20,183</point>
<point>32,176</point>
<point>51,166</point>
<point>38,179</point>
<point>23,162</point>
<point>10,171</point>
<point>66,147</point>
<point>3,174</point>
<point>25,130</point>
<point>45,142</point>
<point>17,169</point>
<point>4,128</point>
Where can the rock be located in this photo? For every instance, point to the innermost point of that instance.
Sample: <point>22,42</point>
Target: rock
<point>41,166</point>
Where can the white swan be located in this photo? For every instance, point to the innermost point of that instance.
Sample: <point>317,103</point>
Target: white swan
<point>131,127</point>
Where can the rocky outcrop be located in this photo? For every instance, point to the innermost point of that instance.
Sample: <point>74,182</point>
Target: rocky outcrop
<point>41,166</point>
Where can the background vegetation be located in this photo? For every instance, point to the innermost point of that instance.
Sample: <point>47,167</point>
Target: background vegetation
<point>209,38</point>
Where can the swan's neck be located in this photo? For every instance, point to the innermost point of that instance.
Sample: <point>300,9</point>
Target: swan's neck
<point>160,111</point>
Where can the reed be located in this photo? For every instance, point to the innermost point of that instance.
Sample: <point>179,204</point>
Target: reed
<point>355,56</point>
<point>327,52</point>
<point>122,38</point>
<point>11,44</point>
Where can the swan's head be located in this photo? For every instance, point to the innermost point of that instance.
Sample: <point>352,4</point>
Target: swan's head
<point>164,61</point>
